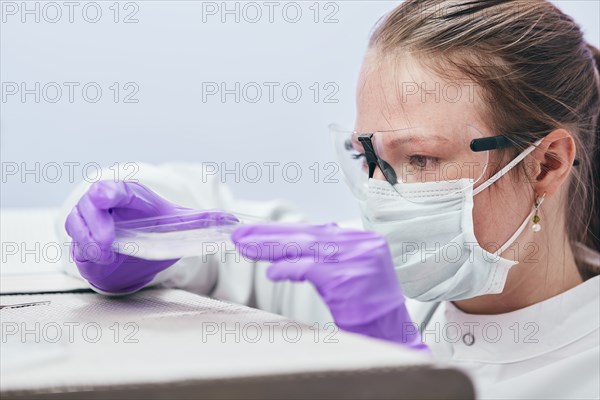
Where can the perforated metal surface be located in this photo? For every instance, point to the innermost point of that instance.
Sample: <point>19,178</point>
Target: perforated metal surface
<point>162,336</point>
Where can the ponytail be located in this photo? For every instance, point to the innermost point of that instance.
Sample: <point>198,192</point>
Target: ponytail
<point>595,223</point>
<point>592,236</point>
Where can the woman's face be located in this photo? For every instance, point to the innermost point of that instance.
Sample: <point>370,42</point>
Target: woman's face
<point>397,93</point>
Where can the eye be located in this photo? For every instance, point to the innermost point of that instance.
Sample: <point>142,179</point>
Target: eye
<point>423,162</point>
<point>348,145</point>
<point>357,156</point>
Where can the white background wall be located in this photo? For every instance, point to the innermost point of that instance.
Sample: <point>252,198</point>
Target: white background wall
<point>174,50</point>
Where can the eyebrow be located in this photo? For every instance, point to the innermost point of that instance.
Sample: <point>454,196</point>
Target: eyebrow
<point>410,139</point>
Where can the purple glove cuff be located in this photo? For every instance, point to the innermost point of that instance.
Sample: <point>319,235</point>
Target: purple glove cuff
<point>395,326</point>
<point>349,314</point>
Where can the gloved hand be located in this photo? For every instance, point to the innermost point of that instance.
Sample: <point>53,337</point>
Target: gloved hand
<point>352,271</point>
<point>91,225</point>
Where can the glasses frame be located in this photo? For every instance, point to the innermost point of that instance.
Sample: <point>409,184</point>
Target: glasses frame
<point>477,145</point>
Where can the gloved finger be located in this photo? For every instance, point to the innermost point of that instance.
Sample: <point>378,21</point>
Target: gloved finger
<point>273,249</point>
<point>73,225</point>
<point>99,221</point>
<point>77,230</point>
<point>84,246</point>
<point>292,270</point>
<point>271,242</point>
<point>301,232</point>
<point>276,230</point>
<point>109,194</point>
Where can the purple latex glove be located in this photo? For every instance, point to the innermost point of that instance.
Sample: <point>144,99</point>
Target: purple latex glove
<point>91,225</point>
<point>352,271</point>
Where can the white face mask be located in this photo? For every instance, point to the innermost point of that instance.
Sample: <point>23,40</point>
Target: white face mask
<point>432,242</point>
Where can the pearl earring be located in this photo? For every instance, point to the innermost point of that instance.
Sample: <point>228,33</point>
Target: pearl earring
<point>536,227</point>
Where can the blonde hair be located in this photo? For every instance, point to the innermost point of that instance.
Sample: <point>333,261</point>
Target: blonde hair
<point>533,64</point>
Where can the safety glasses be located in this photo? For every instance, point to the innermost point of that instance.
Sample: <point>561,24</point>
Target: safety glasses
<point>417,155</point>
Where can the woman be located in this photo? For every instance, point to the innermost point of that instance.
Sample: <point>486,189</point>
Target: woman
<point>479,205</point>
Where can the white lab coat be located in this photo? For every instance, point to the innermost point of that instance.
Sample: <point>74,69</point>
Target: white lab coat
<point>548,350</point>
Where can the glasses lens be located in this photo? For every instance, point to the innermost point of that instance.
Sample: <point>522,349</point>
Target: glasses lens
<point>350,155</point>
<point>426,154</point>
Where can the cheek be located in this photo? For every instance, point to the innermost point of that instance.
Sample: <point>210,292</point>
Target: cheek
<point>485,218</point>
<point>499,211</point>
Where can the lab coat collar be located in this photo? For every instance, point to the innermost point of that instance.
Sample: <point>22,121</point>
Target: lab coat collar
<point>523,334</point>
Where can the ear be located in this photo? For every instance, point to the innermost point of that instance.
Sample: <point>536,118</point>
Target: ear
<point>555,156</point>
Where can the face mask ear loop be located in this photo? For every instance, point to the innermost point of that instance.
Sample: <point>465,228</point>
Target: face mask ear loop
<point>507,168</point>
<point>514,237</point>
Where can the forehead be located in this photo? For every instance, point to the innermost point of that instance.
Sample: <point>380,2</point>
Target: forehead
<point>398,91</point>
